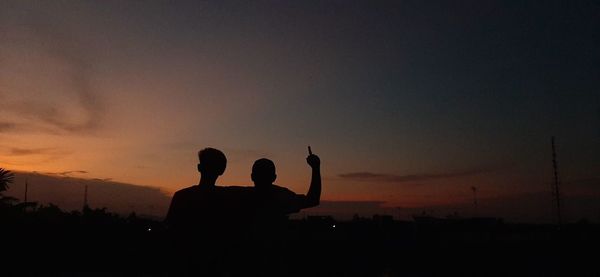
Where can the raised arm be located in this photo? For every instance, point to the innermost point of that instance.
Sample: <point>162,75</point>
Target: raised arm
<point>313,197</point>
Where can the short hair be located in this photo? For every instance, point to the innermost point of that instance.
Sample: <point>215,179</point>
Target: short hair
<point>263,167</point>
<point>212,160</point>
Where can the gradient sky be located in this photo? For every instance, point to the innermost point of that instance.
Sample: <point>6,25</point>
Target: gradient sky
<point>406,102</point>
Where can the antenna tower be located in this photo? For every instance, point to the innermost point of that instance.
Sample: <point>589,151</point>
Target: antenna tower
<point>85,200</point>
<point>475,203</point>
<point>26,187</point>
<point>556,184</point>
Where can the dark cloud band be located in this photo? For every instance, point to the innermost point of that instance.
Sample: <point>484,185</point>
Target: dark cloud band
<point>392,178</point>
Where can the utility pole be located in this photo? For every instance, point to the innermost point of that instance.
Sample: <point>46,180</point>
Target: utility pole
<point>26,187</point>
<point>474,189</point>
<point>556,185</point>
<point>85,200</point>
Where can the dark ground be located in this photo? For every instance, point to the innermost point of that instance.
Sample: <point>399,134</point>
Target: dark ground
<point>49,242</point>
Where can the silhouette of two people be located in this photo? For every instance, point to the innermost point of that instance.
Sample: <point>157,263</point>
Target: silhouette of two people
<point>213,223</point>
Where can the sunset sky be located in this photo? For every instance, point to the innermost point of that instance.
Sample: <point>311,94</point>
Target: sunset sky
<point>406,102</point>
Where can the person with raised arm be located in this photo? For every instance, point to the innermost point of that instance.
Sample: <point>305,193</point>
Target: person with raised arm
<point>274,202</point>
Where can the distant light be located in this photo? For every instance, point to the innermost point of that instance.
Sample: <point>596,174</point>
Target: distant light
<point>149,229</point>
<point>333,226</point>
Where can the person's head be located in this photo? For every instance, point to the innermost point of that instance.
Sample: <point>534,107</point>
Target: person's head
<point>263,172</point>
<point>212,162</point>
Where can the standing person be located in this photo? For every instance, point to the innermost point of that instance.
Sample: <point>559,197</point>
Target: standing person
<point>275,203</point>
<point>272,205</point>
<point>204,219</point>
<point>279,201</point>
<point>197,205</point>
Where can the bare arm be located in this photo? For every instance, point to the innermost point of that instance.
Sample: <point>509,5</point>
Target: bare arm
<point>313,197</point>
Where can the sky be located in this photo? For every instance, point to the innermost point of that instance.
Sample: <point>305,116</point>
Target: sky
<point>408,103</point>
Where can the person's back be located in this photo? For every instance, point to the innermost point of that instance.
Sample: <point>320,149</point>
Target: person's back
<point>205,219</point>
<point>274,203</point>
<point>199,210</point>
<point>198,204</point>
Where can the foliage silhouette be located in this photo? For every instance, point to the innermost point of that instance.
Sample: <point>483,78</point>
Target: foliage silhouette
<point>6,178</point>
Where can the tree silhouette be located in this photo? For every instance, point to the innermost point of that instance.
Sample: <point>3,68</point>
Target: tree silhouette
<point>6,178</point>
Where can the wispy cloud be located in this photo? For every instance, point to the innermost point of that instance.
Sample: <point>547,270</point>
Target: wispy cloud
<point>45,152</point>
<point>48,39</point>
<point>67,173</point>
<point>7,126</point>
<point>393,178</point>
<point>30,151</point>
<point>19,156</point>
<point>54,120</point>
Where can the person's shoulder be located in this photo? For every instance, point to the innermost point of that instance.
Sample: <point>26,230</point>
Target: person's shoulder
<point>237,191</point>
<point>237,188</point>
<point>292,201</point>
<point>281,190</point>
<point>186,191</point>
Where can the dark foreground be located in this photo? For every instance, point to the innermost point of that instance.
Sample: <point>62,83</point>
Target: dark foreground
<point>52,243</point>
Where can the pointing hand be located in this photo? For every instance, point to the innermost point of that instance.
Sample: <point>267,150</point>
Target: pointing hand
<point>313,160</point>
